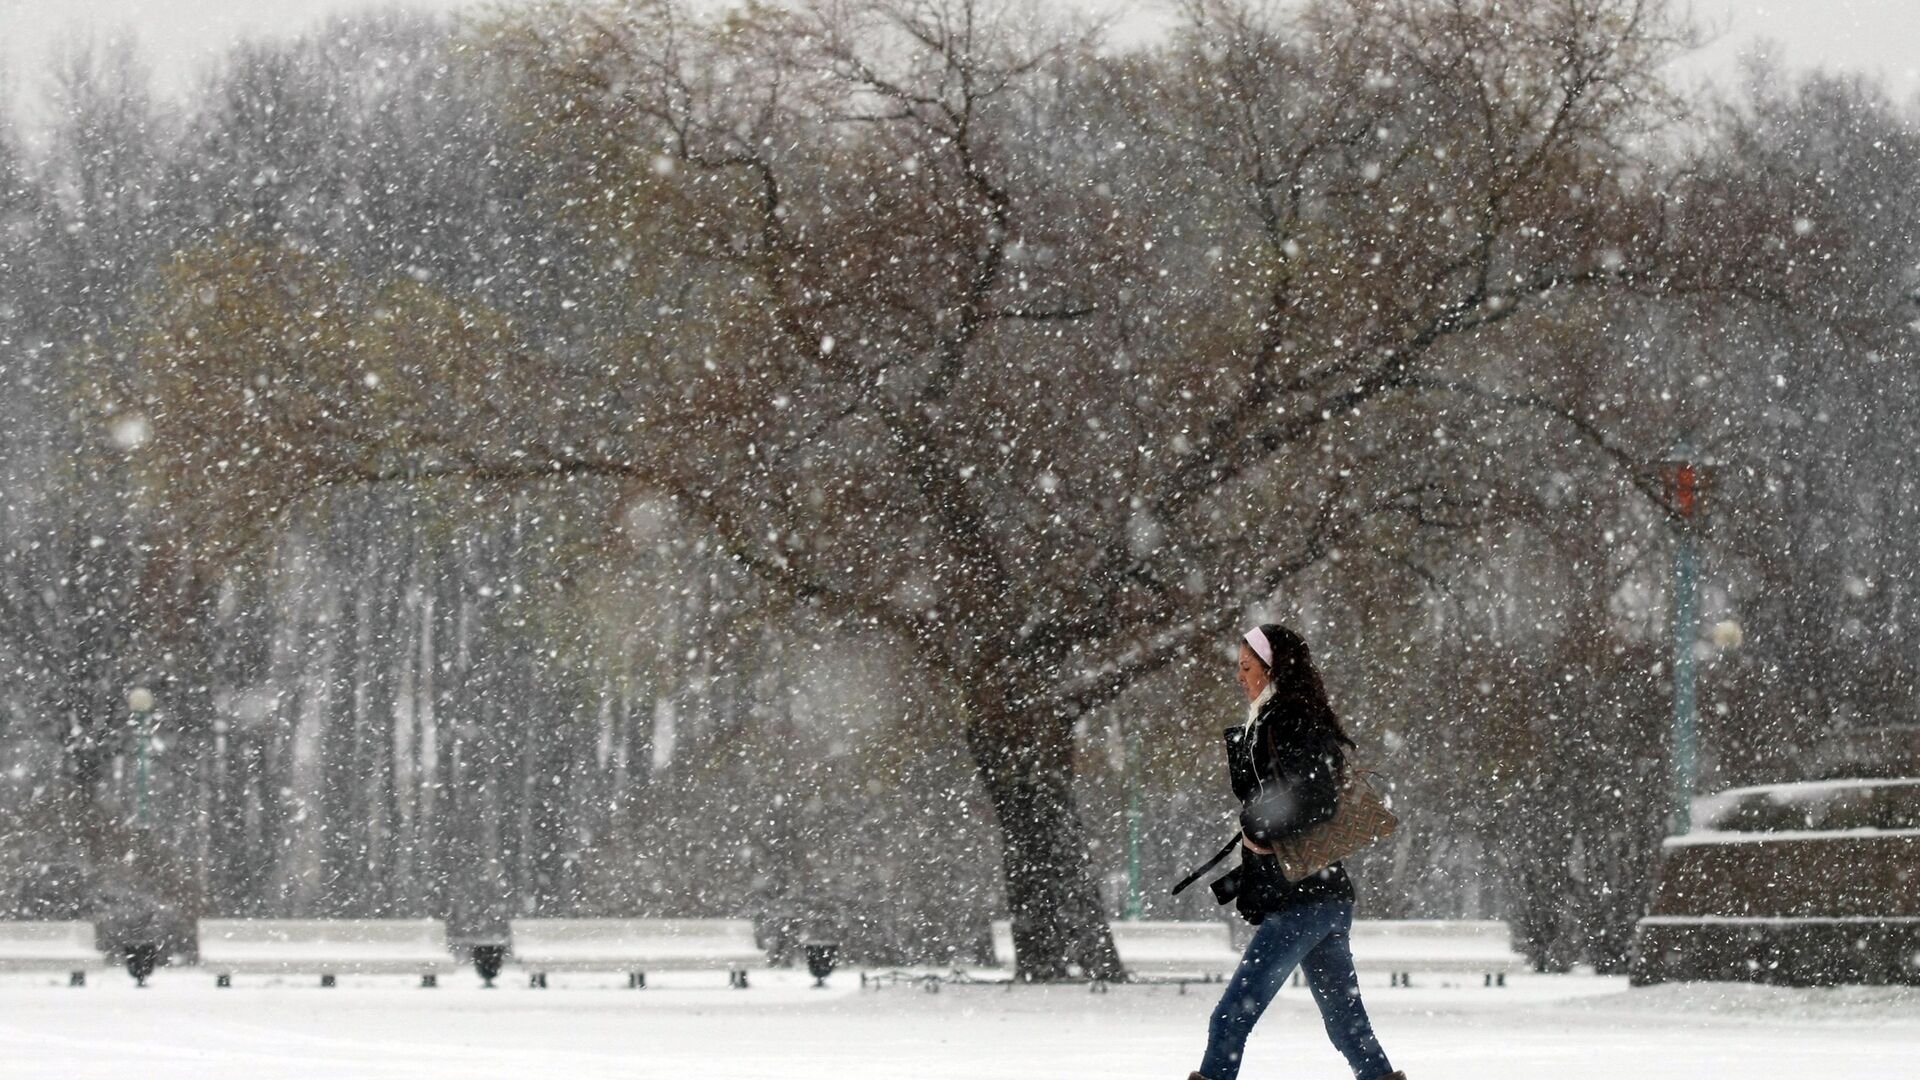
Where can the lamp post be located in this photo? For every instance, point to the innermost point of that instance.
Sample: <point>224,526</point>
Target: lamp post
<point>140,703</point>
<point>1685,481</point>
<point>1133,823</point>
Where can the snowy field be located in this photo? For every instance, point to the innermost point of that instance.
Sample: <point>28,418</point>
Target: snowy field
<point>690,1025</point>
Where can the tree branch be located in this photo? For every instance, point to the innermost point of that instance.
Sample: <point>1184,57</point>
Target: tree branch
<point>1636,471</point>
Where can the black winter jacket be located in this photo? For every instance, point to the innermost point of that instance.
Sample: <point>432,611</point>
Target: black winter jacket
<point>1285,773</point>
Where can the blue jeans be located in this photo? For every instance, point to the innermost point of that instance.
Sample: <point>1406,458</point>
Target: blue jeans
<point>1314,938</point>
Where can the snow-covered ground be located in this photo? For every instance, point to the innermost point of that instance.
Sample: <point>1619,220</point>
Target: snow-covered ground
<point>689,1025</point>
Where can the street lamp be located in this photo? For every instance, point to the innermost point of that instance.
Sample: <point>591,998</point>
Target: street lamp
<point>1685,481</point>
<point>1133,821</point>
<point>140,703</point>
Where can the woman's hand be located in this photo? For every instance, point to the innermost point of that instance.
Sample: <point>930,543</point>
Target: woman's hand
<point>1247,842</point>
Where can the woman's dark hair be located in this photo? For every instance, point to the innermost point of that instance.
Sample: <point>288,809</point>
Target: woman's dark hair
<point>1297,688</point>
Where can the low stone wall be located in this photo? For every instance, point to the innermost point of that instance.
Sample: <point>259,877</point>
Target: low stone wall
<point>1805,908</point>
<point>1807,952</point>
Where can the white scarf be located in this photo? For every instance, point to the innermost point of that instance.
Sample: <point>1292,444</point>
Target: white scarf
<point>1253,707</point>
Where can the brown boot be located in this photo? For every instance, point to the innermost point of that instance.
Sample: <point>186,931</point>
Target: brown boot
<point>1395,1075</point>
<point>1197,1076</point>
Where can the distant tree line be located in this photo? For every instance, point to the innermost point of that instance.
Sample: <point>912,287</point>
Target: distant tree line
<point>807,464</point>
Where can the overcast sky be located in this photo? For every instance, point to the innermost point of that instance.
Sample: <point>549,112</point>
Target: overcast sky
<point>180,36</point>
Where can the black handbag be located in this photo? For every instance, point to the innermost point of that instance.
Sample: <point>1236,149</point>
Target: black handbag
<point>1216,884</point>
<point>1244,778</point>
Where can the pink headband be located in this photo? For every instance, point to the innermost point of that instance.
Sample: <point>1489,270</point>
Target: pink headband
<point>1257,641</point>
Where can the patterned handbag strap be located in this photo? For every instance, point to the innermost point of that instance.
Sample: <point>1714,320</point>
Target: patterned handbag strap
<point>1373,778</point>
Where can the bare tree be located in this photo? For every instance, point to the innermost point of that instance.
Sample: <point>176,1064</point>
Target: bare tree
<point>1058,423</point>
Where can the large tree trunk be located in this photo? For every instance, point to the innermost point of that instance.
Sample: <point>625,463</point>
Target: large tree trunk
<point>1026,765</point>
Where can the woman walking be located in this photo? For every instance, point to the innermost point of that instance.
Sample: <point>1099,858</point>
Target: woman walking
<point>1284,764</point>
